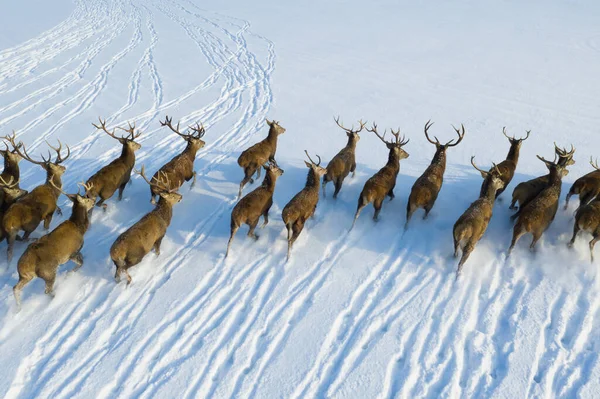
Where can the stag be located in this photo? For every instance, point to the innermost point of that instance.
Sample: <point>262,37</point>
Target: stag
<point>472,224</point>
<point>537,216</point>
<point>425,191</point>
<point>304,204</point>
<point>11,159</point>
<point>344,161</point>
<point>43,257</point>
<point>9,194</point>
<point>116,174</point>
<point>509,165</point>
<point>255,204</point>
<point>259,154</point>
<point>134,244</point>
<point>587,186</point>
<point>37,205</point>
<point>383,182</point>
<point>181,167</point>
<point>587,218</point>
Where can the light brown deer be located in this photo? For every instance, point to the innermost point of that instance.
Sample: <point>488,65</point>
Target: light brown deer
<point>536,217</point>
<point>116,174</point>
<point>425,191</point>
<point>383,182</point>
<point>509,165</point>
<point>587,218</point>
<point>304,204</point>
<point>587,187</point>
<point>43,257</point>
<point>37,205</point>
<point>134,244</point>
<point>344,161</point>
<point>252,159</point>
<point>11,159</point>
<point>255,204</point>
<point>472,224</point>
<point>526,191</point>
<point>181,168</point>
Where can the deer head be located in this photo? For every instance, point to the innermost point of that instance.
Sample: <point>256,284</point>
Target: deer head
<point>11,156</point>
<point>494,176</point>
<point>128,140</point>
<point>193,136</point>
<point>351,133</point>
<point>275,127</point>
<point>316,167</point>
<point>162,186</point>
<point>52,168</point>
<point>443,147</point>
<point>514,141</point>
<point>81,199</point>
<point>11,188</point>
<point>272,167</point>
<point>565,157</point>
<point>395,146</point>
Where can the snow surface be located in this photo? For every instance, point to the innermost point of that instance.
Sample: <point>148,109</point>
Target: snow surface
<point>364,314</point>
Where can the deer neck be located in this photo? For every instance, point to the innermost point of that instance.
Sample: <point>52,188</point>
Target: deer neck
<point>128,155</point>
<point>490,193</point>
<point>272,138</point>
<point>57,180</point>
<point>190,151</point>
<point>351,144</point>
<point>79,216</point>
<point>164,210</point>
<point>513,153</point>
<point>11,168</point>
<point>269,181</point>
<point>393,161</point>
<point>439,159</point>
<point>312,181</point>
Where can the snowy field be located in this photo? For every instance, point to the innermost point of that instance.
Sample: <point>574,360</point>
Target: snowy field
<point>361,314</point>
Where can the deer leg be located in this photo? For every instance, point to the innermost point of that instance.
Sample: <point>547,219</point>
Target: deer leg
<point>157,245</point>
<point>427,210</point>
<point>49,284</point>
<point>58,210</point>
<point>325,181</point>
<point>121,188</point>
<point>536,238</point>
<point>513,203</point>
<point>78,260</point>
<point>592,243</point>
<point>456,247</point>
<point>361,205</point>
<point>576,230</point>
<point>265,217</point>
<point>338,187</point>
<point>468,248</point>
<point>101,204</point>
<point>516,235</point>
<point>23,281</point>
<point>258,173</point>
<point>234,230</point>
<point>569,195</point>
<point>391,194</point>
<point>47,221</point>
<point>353,169</point>
<point>248,172</point>
<point>377,204</point>
<point>10,240</point>
<point>193,180</point>
<point>296,230</point>
<point>252,225</point>
<point>409,212</point>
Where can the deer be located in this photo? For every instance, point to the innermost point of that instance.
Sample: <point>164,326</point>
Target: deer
<point>509,165</point>
<point>9,194</point>
<point>526,191</point>
<point>304,204</point>
<point>43,257</point>
<point>255,204</point>
<point>147,234</point>
<point>344,161</point>
<point>472,224</point>
<point>537,215</point>
<point>39,204</point>
<point>181,167</point>
<point>11,159</point>
<point>587,186</point>
<point>382,183</point>
<point>587,218</point>
<point>425,191</point>
<point>116,174</point>
<point>254,157</point>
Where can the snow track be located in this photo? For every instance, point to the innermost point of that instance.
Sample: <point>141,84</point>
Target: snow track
<point>372,312</point>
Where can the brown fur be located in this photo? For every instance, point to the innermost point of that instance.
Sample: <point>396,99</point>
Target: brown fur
<point>587,187</point>
<point>37,205</point>
<point>587,219</point>
<point>181,167</point>
<point>132,245</point>
<point>304,204</point>
<point>43,257</point>
<point>508,167</point>
<point>537,216</point>
<point>383,182</point>
<point>525,192</point>
<point>116,174</point>
<point>11,160</point>
<point>259,154</point>
<point>9,194</point>
<point>255,204</point>
<point>425,191</point>
<point>344,161</point>
<point>472,224</point>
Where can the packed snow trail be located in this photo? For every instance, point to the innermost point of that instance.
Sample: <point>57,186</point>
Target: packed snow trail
<point>372,312</point>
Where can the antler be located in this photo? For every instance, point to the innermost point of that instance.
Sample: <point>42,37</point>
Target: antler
<point>162,183</point>
<point>26,156</point>
<point>594,164</point>
<point>546,161</point>
<point>103,127</point>
<point>427,126</point>
<point>400,142</point>
<point>10,183</point>
<point>374,130</point>
<point>461,135</point>
<point>131,136</point>
<point>310,159</point>
<point>198,130</point>
<point>475,166</point>
<point>351,130</point>
<point>59,158</point>
<point>513,137</point>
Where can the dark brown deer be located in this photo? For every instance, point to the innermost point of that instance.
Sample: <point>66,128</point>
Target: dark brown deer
<point>181,168</point>
<point>383,182</point>
<point>116,174</point>
<point>587,218</point>
<point>509,165</point>
<point>11,159</point>
<point>528,190</point>
<point>587,187</point>
<point>255,204</point>
<point>537,216</point>
<point>344,161</point>
<point>472,224</point>
<point>43,257</point>
<point>37,205</point>
<point>252,159</point>
<point>304,204</point>
<point>130,247</point>
<point>425,191</point>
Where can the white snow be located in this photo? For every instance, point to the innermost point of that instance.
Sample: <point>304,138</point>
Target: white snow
<point>370,313</point>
